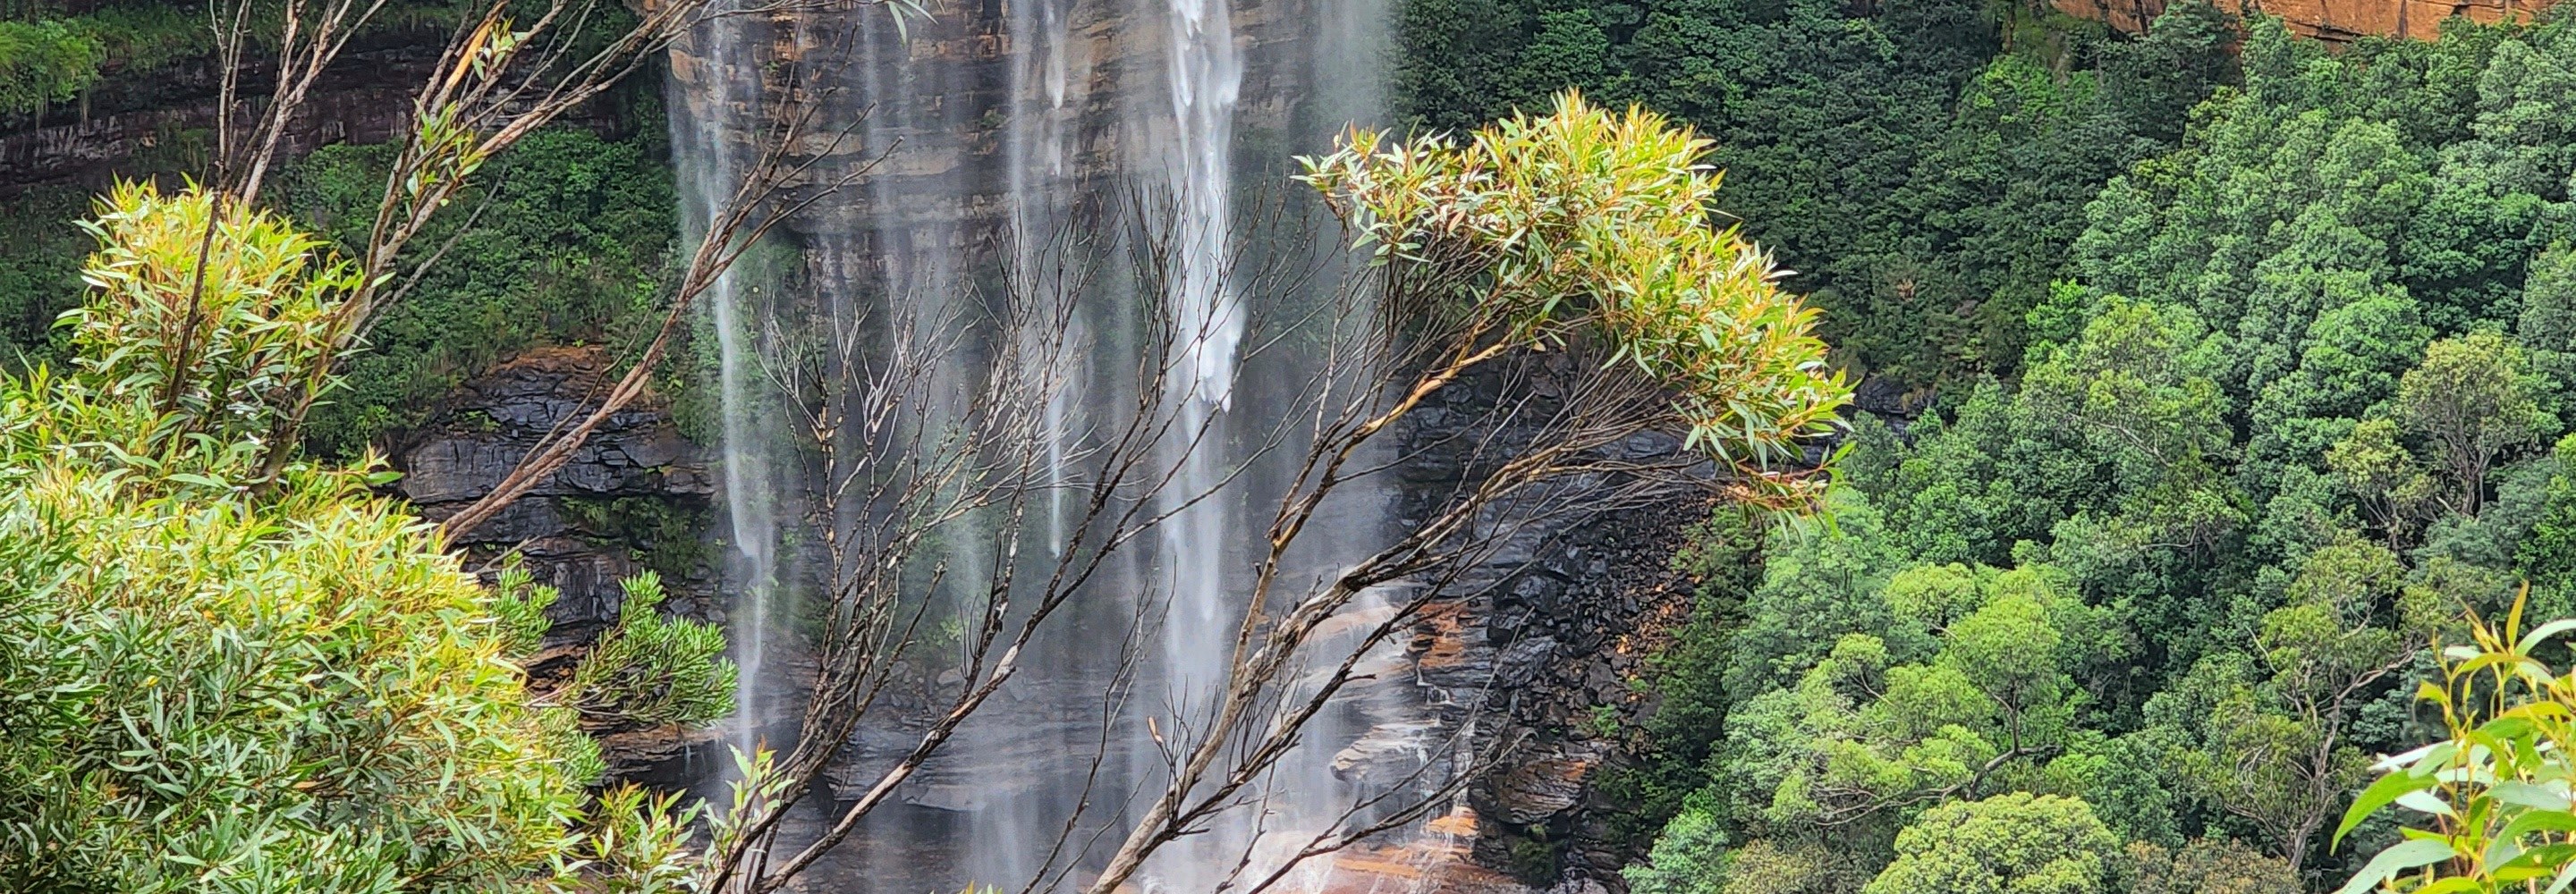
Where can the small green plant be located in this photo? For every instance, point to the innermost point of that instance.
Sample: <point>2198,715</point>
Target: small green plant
<point>1532,857</point>
<point>642,846</point>
<point>755,791</point>
<point>651,670</point>
<point>1604,721</point>
<point>519,608</point>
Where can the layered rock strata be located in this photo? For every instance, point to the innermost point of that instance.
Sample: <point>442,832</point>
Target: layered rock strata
<point>135,123</point>
<point>634,498</point>
<point>2332,20</point>
<point>1539,649</point>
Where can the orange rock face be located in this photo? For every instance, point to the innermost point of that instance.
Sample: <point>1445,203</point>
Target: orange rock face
<point>1435,862</point>
<point>2335,20</point>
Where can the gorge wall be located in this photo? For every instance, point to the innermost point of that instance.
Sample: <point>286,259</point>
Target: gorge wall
<point>2334,20</point>
<point>132,122</point>
<point>979,148</point>
<point>635,498</point>
<point>138,122</point>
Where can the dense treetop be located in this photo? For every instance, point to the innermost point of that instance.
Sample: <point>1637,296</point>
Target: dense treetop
<point>2245,359</point>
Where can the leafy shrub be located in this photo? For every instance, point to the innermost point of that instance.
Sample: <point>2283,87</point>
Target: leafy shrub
<point>1585,223</point>
<point>206,692</point>
<point>227,341</point>
<point>2492,795</point>
<point>287,687</point>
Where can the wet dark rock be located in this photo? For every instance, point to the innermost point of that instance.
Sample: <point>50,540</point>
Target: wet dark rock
<point>1541,643</point>
<point>634,497</point>
<point>1886,397</point>
<point>579,530</point>
<point>1523,661</point>
<point>1542,785</point>
<point>663,757</point>
<point>1012,748</point>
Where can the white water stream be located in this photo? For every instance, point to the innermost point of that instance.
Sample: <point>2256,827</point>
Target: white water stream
<point>995,121</point>
<point>724,95</point>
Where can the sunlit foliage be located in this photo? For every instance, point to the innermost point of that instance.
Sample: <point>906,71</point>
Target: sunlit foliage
<point>220,683</point>
<point>1590,223</point>
<point>2487,806</point>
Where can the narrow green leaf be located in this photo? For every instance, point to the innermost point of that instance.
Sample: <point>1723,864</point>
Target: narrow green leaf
<point>2397,858</point>
<point>2544,633</point>
<point>2380,794</point>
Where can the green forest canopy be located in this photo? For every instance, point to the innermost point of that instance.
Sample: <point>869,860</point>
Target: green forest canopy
<point>2246,359</point>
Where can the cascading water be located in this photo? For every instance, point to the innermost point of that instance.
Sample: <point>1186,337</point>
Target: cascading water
<point>1041,83</point>
<point>1205,80</point>
<point>720,96</point>
<point>1193,146</point>
<point>986,128</point>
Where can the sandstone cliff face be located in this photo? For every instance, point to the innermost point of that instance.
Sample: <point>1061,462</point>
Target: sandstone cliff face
<point>635,497</point>
<point>988,110</point>
<point>2334,20</point>
<point>141,123</point>
<point>1542,652</point>
<point>132,122</point>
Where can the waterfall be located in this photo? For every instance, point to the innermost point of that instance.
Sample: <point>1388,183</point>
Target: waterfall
<point>1205,80</point>
<point>987,129</point>
<point>1191,145</point>
<point>713,97</point>
<point>1041,84</point>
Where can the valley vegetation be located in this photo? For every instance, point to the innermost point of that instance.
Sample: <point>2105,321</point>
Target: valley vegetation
<point>2217,378</point>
